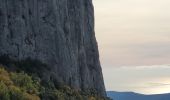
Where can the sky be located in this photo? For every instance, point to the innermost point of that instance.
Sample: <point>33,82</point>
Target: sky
<point>134,44</point>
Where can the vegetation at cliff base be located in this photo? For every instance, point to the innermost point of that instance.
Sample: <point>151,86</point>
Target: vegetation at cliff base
<point>17,86</point>
<point>21,86</point>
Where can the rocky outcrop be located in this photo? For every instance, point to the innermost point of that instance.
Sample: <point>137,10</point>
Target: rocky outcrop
<point>59,33</point>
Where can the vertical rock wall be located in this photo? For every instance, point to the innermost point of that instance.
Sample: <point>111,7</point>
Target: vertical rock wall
<point>59,33</point>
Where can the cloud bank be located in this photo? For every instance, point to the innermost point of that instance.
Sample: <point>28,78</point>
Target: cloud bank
<point>133,32</point>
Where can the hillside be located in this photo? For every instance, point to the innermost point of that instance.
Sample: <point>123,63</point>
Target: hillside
<point>22,86</point>
<point>136,96</point>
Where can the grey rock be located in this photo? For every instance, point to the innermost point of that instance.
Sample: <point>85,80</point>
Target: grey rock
<point>59,33</point>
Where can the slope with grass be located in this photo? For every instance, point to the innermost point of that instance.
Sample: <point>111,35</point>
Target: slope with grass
<point>22,86</point>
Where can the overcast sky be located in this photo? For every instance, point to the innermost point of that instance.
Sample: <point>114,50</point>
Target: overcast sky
<point>134,33</point>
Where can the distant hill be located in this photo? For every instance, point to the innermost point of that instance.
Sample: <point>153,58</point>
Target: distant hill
<point>135,96</point>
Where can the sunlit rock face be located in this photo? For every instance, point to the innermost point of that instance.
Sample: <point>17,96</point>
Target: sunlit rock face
<point>59,33</point>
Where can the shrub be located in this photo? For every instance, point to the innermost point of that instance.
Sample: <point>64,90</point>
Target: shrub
<point>25,82</point>
<point>4,76</point>
<point>4,92</point>
<point>22,86</point>
<point>17,86</point>
<point>16,93</point>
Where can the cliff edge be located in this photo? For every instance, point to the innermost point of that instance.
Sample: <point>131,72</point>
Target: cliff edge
<point>59,33</point>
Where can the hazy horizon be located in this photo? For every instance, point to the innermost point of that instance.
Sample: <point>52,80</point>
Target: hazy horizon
<point>134,44</point>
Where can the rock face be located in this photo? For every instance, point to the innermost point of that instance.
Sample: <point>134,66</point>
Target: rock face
<point>59,33</point>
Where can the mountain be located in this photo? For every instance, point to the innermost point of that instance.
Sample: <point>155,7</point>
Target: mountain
<point>136,96</point>
<point>58,33</point>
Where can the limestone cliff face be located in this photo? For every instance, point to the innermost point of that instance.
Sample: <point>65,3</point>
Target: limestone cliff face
<point>59,33</point>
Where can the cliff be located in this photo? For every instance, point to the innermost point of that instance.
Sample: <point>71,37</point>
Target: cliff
<point>59,33</point>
